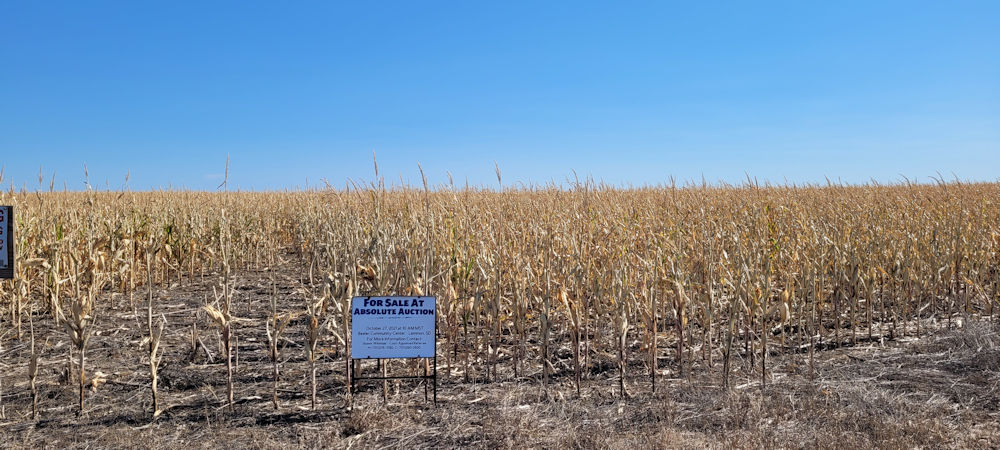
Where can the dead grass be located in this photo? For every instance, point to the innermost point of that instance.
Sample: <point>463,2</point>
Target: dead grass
<point>939,391</point>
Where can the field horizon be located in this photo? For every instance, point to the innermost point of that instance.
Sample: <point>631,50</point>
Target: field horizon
<point>584,225</point>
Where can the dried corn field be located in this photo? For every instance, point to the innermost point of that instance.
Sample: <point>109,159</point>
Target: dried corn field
<point>208,309</point>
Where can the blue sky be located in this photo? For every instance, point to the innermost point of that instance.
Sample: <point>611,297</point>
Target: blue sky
<point>629,93</point>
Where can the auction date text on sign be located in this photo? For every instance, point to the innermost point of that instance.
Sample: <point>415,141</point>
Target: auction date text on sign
<point>393,327</point>
<point>6,242</point>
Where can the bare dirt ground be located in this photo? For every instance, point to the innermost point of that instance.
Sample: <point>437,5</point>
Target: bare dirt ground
<point>936,391</point>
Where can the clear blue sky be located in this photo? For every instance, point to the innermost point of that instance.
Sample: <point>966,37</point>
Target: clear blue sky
<point>625,92</point>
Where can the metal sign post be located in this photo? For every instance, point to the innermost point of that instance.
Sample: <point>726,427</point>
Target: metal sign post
<point>6,242</point>
<point>393,328</point>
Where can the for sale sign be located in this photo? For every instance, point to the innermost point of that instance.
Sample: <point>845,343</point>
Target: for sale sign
<point>393,327</point>
<point>6,242</point>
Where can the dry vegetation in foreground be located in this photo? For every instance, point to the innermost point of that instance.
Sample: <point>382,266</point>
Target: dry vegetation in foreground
<point>594,317</point>
<point>936,391</point>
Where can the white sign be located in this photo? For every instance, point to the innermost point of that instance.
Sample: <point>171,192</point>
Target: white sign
<point>393,327</point>
<point>5,228</point>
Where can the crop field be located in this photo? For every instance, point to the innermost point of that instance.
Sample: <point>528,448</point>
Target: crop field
<point>590,316</point>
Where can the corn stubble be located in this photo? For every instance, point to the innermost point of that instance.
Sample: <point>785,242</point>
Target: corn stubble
<point>713,273</point>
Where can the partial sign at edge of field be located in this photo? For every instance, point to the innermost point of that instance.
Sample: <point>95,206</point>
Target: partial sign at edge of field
<point>393,327</point>
<point>6,242</point>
